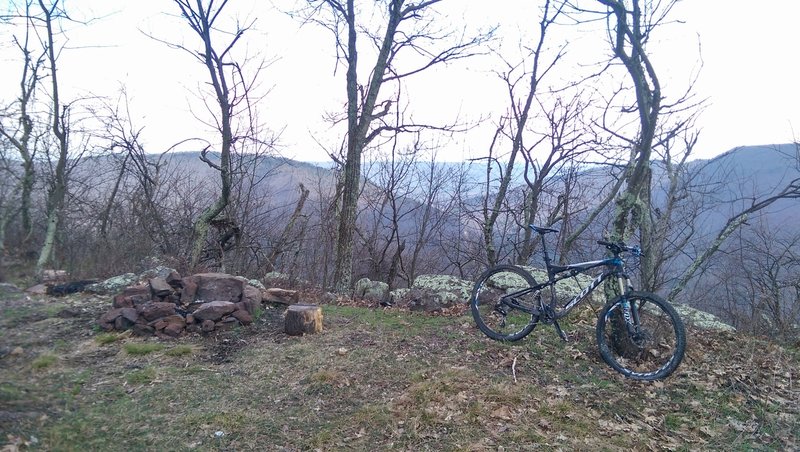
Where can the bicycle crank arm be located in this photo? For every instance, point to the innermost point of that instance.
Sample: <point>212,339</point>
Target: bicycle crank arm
<point>560,331</point>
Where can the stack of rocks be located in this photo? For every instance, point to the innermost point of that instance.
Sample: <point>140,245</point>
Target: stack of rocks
<point>169,306</point>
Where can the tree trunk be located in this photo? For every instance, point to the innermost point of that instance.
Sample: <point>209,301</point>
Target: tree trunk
<point>280,245</point>
<point>58,190</point>
<point>633,206</point>
<point>106,214</point>
<point>358,128</point>
<point>203,25</point>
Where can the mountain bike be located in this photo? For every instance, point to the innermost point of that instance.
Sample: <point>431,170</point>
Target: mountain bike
<point>639,334</point>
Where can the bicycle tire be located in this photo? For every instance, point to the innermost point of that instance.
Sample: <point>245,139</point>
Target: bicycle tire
<point>655,350</point>
<point>488,291</point>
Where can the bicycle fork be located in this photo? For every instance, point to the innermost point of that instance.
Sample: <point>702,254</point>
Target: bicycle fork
<point>630,313</point>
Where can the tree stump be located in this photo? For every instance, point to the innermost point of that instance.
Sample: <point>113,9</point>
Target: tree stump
<point>303,319</point>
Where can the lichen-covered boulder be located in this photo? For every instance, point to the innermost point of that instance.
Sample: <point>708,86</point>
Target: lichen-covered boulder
<point>251,282</point>
<point>397,295</point>
<point>372,290</point>
<point>113,285</point>
<point>156,272</point>
<point>701,319</point>
<point>425,300</point>
<point>433,293</point>
<point>449,288</point>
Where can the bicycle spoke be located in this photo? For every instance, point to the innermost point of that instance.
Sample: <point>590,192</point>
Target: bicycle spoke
<point>648,350</point>
<point>501,305</point>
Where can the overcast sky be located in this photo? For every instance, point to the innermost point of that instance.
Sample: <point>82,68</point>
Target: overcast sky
<point>748,49</point>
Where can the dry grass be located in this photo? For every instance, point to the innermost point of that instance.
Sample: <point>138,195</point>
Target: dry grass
<point>379,380</point>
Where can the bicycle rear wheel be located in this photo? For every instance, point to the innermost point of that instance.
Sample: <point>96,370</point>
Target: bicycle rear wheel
<point>655,347</point>
<point>502,304</point>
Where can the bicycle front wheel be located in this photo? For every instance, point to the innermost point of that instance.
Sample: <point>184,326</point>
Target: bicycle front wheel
<point>503,304</point>
<point>650,346</point>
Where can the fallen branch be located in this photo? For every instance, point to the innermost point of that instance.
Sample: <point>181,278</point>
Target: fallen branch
<point>514,369</point>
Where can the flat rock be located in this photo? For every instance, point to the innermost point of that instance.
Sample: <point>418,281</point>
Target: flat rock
<point>214,286</point>
<point>39,289</point>
<point>159,287</point>
<point>242,316</point>
<point>214,310</point>
<point>281,296</point>
<point>153,311</point>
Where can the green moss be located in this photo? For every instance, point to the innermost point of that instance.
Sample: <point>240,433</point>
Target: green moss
<point>107,338</point>
<point>180,350</point>
<point>142,376</point>
<point>10,392</point>
<point>44,361</point>
<point>258,312</point>
<point>138,349</point>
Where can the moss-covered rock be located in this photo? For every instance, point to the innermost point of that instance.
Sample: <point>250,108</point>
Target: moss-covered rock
<point>701,319</point>
<point>396,296</point>
<point>449,288</point>
<point>114,284</point>
<point>372,290</point>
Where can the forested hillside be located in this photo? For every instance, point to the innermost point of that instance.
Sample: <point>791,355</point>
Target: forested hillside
<point>597,148</point>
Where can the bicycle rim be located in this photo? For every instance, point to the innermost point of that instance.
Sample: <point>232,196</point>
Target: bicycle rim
<point>656,346</point>
<point>500,304</point>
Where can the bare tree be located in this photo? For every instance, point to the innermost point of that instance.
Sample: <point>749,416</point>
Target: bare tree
<point>756,281</point>
<point>513,126</point>
<point>405,31</point>
<point>630,30</point>
<point>388,204</point>
<point>630,25</point>
<point>148,170</point>
<point>566,140</point>
<point>59,122</point>
<point>436,213</point>
<point>230,88</point>
<point>790,191</point>
<point>21,134</point>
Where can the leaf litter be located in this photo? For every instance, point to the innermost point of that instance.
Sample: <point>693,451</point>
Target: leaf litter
<point>388,379</point>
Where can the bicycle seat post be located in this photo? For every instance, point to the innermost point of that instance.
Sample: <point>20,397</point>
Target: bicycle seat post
<point>547,262</point>
<point>544,252</point>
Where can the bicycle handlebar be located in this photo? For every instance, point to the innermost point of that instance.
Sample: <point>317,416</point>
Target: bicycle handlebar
<point>619,247</point>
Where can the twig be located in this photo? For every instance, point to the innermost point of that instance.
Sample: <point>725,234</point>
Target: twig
<point>514,369</point>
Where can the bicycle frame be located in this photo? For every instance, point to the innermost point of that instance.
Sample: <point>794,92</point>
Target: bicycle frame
<point>557,274</point>
<point>614,266</point>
